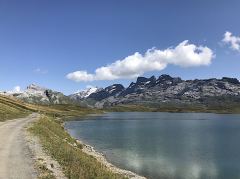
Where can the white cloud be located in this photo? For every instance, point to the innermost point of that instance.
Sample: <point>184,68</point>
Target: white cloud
<point>183,55</point>
<point>17,89</point>
<point>80,76</point>
<point>232,40</point>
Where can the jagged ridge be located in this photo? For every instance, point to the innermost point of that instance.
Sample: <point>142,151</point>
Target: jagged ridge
<point>167,89</point>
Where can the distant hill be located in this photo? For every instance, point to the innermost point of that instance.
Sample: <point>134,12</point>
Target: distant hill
<point>35,94</point>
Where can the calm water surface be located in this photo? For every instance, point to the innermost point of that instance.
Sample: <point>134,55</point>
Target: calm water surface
<point>166,145</point>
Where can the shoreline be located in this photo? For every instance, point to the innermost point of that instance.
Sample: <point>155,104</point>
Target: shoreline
<point>89,150</point>
<point>100,157</point>
<point>41,158</point>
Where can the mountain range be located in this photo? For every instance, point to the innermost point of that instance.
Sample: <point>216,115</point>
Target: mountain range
<point>167,90</point>
<point>151,92</point>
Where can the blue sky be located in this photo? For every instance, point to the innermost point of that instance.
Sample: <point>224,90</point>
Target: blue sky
<point>43,41</point>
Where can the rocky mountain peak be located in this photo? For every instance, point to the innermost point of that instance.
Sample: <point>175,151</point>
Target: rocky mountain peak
<point>152,78</point>
<point>35,87</point>
<point>109,91</point>
<point>114,88</point>
<point>163,78</point>
<point>40,95</point>
<point>167,79</point>
<point>141,84</point>
<point>84,93</point>
<point>174,90</point>
<point>231,80</point>
<point>143,80</point>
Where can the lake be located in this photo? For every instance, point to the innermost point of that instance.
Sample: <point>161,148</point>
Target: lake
<point>166,145</point>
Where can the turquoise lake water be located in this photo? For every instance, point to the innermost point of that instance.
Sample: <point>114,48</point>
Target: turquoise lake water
<point>166,145</point>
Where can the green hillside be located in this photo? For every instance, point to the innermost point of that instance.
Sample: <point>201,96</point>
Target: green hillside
<point>11,108</point>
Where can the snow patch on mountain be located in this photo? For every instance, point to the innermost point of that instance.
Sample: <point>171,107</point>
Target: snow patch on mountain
<point>82,94</point>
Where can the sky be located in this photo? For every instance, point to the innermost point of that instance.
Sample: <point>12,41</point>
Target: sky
<point>68,45</point>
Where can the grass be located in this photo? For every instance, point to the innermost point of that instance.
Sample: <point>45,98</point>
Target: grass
<point>129,108</point>
<point>216,107</point>
<point>11,108</point>
<point>60,145</point>
<point>55,140</point>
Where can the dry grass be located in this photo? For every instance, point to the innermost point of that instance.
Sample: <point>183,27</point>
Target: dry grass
<point>58,143</point>
<point>11,108</point>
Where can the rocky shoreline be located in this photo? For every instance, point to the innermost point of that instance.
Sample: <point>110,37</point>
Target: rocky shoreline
<point>88,149</point>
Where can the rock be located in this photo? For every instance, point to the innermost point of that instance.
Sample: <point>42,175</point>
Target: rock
<point>167,89</point>
<point>40,95</point>
<point>231,80</point>
<point>109,91</point>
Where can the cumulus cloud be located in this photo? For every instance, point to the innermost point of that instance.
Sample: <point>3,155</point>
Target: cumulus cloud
<point>232,40</point>
<point>183,55</point>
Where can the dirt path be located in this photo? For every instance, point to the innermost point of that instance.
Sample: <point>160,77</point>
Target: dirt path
<point>15,157</point>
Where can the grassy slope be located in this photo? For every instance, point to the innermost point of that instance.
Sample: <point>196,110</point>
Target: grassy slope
<point>60,146</point>
<point>227,107</point>
<point>11,108</point>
